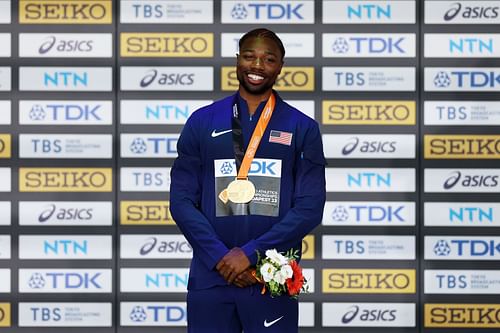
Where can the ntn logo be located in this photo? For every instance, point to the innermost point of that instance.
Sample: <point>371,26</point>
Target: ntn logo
<point>471,214</point>
<point>159,280</point>
<point>65,246</point>
<point>471,45</point>
<point>167,111</point>
<point>369,179</point>
<point>369,10</point>
<point>66,79</point>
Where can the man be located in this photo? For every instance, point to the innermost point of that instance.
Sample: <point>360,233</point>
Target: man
<point>233,195</point>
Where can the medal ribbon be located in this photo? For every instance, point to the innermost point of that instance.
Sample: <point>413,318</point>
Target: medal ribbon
<point>257,135</point>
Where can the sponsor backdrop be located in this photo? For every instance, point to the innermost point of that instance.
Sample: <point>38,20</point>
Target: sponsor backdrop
<point>94,94</point>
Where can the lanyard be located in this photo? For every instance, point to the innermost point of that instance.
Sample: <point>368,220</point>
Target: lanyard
<point>244,159</point>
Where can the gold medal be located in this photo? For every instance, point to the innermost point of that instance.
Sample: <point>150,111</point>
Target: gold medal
<point>240,191</point>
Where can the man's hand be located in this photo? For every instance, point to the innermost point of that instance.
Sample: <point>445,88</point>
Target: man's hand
<point>245,279</point>
<point>232,264</point>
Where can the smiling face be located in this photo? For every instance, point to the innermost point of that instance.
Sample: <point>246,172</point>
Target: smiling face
<point>258,65</point>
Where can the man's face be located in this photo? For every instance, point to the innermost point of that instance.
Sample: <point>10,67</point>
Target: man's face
<point>258,65</point>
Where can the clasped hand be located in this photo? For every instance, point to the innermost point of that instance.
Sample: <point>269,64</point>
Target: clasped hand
<point>235,268</point>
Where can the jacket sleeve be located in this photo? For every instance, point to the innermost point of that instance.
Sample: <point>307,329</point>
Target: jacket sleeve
<point>185,195</point>
<point>308,200</point>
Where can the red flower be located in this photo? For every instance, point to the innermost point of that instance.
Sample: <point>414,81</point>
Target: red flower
<point>295,283</point>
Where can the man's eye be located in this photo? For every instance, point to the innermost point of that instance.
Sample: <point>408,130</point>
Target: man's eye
<point>271,60</point>
<point>248,57</point>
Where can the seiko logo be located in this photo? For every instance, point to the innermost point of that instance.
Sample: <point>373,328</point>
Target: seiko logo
<point>165,45</point>
<point>470,180</point>
<point>466,315</point>
<point>368,146</point>
<point>166,78</point>
<point>64,11</point>
<point>69,179</point>
<point>147,213</point>
<point>467,12</point>
<point>456,146</point>
<point>4,145</point>
<point>369,281</point>
<point>152,244</point>
<point>376,112</point>
<point>51,42</point>
<point>368,315</point>
<point>65,214</point>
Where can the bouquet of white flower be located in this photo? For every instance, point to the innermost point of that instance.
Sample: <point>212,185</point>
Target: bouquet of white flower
<point>280,273</point>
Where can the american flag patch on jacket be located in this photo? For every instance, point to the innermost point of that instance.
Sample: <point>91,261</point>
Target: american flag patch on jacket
<point>284,138</point>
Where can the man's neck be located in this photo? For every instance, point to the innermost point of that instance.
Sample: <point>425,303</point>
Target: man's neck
<point>252,100</point>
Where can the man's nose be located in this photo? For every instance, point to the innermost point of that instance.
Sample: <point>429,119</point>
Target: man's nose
<point>258,62</point>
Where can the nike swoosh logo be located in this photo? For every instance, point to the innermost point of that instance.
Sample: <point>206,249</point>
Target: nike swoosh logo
<point>271,323</point>
<point>216,134</point>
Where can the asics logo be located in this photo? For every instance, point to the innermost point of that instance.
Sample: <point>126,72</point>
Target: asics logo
<point>216,134</point>
<point>271,323</point>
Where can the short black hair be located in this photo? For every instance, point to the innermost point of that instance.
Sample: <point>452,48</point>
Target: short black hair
<point>263,33</point>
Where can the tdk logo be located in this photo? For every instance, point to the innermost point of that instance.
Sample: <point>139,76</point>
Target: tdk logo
<point>369,179</point>
<point>158,313</point>
<point>368,213</point>
<point>457,10</point>
<point>468,248</point>
<point>369,11</point>
<point>226,168</point>
<point>271,11</point>
<point>65,246</point>
<point>72,112</point>
<point>65,79</point>
<point>471,45</point>
<point>470,181</point>
<point>374,45</point>
<point>256,167</point>
<point>158,145</point>
<point>61,280</point>
<point>442,248</point>
<point>467,79</point>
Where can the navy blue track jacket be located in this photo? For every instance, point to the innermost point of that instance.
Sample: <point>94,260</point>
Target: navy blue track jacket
<point>288,172</point>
